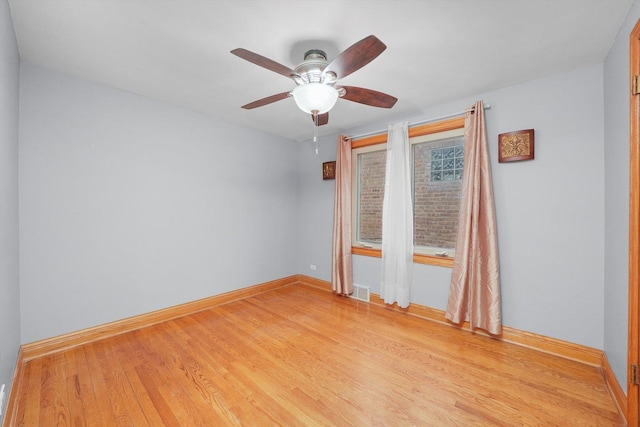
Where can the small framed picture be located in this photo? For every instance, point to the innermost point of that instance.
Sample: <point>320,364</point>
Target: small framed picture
<point>329,170</point>
<point>515,146</point>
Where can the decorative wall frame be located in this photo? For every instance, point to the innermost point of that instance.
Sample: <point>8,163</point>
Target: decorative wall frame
<point>329,170</point>
<point>516,146</point>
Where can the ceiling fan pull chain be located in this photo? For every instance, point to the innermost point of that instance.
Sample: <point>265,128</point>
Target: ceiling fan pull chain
<point>315,130</point>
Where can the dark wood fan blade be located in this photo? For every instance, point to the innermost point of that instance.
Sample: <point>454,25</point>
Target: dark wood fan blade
<point>356,56</point>
<point>323,119</point>
<point>264,62</point>
<point>267,100</point>
<point>368,97</point>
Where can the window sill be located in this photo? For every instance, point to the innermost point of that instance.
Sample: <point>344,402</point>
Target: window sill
<point>417,258</point>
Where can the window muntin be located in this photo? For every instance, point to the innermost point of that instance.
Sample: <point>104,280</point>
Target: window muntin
<point>436,196</point>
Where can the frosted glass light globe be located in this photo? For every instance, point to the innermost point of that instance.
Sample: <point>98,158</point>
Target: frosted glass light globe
<point>315,97</point>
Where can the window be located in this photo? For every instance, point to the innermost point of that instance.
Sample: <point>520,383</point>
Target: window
<point>437,157</point>
<point>446,163</point>
<point>437,183</point>
<point>370,168</point>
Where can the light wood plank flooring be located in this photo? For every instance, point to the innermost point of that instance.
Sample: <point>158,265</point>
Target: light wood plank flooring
<point>299,355</point>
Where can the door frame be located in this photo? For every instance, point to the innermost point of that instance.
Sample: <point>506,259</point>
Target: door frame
<point>634,227</point>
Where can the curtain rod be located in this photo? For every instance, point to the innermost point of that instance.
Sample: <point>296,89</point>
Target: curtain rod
<point>422,122</point>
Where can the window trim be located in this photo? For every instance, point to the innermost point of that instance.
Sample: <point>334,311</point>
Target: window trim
<point>415,131</point>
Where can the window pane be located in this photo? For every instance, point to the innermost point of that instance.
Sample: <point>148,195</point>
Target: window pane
<point>437,175</point>
<point>371,175</point>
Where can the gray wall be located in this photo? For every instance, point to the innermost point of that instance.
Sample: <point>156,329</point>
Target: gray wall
<point>9,266</point>
<point>616,120</point>
<point>550,211</point>
<point>129,205</point>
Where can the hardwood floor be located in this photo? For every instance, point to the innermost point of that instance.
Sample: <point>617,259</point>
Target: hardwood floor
<point>299,355</point>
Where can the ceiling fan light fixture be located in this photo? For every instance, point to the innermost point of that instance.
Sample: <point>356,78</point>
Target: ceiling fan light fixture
<point>315,98</point>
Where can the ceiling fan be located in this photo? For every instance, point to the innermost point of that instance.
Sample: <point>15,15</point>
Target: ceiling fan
<point>316,91</point>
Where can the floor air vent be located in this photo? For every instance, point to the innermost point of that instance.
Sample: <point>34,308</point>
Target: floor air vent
<point>360,293</point>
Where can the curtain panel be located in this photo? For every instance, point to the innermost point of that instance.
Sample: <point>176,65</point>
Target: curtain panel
<point>397,219</point>
<point>474,294</point>
<point>341,268</point>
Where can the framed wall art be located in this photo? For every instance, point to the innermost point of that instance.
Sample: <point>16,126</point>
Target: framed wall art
<point>329,170</point>
<point>516,146</point>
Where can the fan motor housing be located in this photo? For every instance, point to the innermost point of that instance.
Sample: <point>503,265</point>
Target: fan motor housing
<point>310,70</point>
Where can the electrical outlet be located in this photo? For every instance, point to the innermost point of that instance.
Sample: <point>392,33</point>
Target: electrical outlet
<point>1,399</point>
<point>312,267</point>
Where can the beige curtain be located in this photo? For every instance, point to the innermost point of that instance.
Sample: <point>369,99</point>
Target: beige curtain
<point>474,295</point>
<point>341,268</point>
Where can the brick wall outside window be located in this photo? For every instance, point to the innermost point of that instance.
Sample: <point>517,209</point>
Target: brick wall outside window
<point>436,203</point>
<point>372,173</point>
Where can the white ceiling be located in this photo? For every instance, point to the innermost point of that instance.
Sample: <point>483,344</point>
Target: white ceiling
<point>437,50</point>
